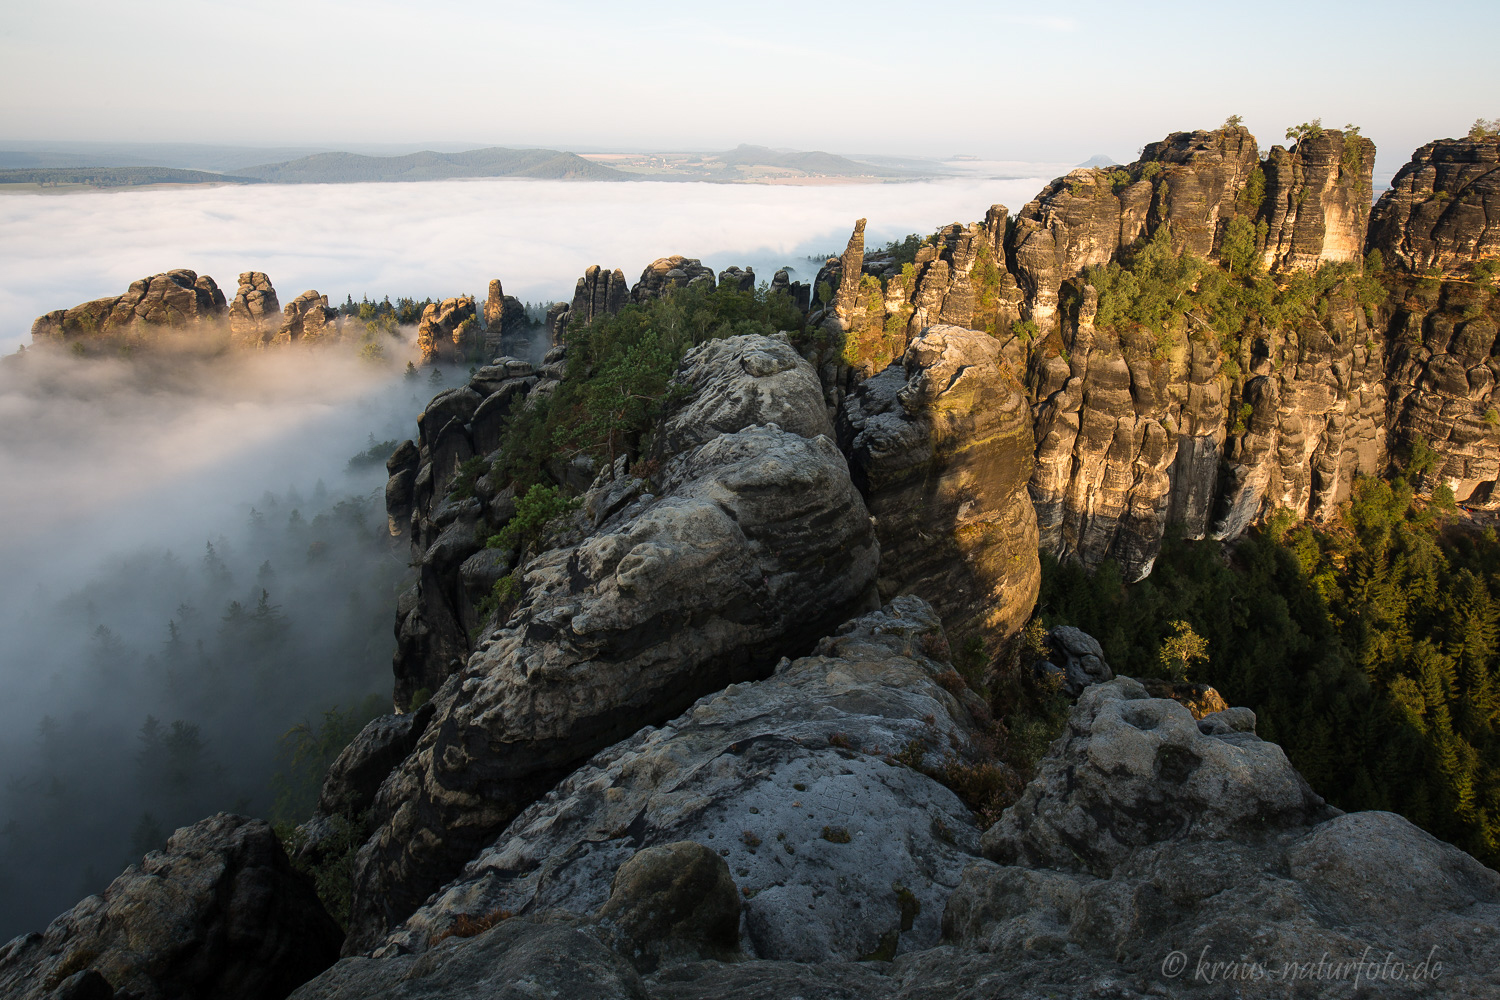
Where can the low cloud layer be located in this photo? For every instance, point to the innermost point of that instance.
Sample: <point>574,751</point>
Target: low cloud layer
<point>441,238</point>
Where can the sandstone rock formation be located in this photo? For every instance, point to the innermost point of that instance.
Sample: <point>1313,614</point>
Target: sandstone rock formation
<point>941,447</point>
<point>173,301</point>
<point>666,273</point>
<point>738,278</point>
<point>253,313</point>
<point>1317,201</point>
<point>503,315</point>
<point>1443,209</point>
<point>597,293</point>
<point>799,291</point>
<point>306,319</point>
<point>449,332</point>
<point>741,549</point>
<point>1076,658</point>
<point>838,852</point>
<point>1130,771</point>
<point>1188,182</point>
<point>218,913</point>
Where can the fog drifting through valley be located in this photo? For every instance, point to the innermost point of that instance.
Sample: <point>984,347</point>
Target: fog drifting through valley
<point>117,477</point>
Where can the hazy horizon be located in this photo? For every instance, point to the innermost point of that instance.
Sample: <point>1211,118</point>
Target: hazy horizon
<point>1012,80</point>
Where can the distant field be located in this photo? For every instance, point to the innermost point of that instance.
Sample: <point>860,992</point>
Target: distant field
<point>65,178</point>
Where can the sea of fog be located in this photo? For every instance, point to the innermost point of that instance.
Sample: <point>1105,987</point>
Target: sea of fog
<point>190,563</point>
<point>443,238</point>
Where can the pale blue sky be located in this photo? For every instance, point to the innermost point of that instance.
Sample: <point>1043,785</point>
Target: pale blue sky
<point>1012,80</point>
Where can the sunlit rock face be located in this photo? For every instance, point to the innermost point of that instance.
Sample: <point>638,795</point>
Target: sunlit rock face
<point>1188,182</point>
<point>253,313</point>
<point>449,331</point>
<point>941,446</point>
<point>748,544</point>
<point>1317,202</point>
<point>152,309</point>
<point>1443,208</point>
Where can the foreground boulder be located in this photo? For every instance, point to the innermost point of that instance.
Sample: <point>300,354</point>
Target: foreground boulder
<point>741,549</point>
<point>518,959</point>
<point>840,850</point>
<point>1131,770</point>
<point>219,913</point>
<point>941,446</point>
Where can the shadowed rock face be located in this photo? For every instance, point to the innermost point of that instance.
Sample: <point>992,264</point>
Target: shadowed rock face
<point>1443,208</point>
<point>750,545</point>
<point>839,851</point>
<point>941,447</point>
<point>219,913</point>
<point>175,300</point>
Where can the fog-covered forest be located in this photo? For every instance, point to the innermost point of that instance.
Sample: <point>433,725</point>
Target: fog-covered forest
<point>199,582</point>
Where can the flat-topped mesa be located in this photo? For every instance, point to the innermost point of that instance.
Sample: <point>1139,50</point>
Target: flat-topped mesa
<point>173,300</point>
<point>1317,200</point>
<point>252,314</point>
<point>1190,181</point>
<point>449,332</point>
<point>667,273</point>
<point>1443,208</point>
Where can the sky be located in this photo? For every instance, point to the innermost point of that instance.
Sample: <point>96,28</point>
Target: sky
<point>995,79</point>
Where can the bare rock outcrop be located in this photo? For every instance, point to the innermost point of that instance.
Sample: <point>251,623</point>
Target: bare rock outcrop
<point>218,913</point>
<point>504,315</point>
<point>449,331</point>
<point>666,273</point>
<point>1153,845</point>
<point>254,313</point>
<point>1189,181</point>
<point>838,853</point>
<point>1130,771</point>
<point>1443,209</point>
<point>941,446</point>
<point>598,293</point>
<point>799,291</point>
<point>1317,200</point>
<point>742,549</point>
<point>153,308</point>
<point>306,319</point>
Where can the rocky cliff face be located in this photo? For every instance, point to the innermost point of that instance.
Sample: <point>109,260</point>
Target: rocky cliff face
<point>306,319</point>
<point>152,309</point>
<point>252,314</point>
<point>449,332</point>
<point>749,543</point>
<point>1189,182</point>
<point>1443,209</point>
<point>940,444</point>
<point>1317,201</point>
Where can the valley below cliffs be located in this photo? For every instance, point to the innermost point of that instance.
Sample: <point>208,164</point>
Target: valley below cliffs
<point>738,655</point>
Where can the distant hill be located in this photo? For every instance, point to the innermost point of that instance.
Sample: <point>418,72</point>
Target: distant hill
<point>1099,160</point>
<point>111,177</point>
<point>817,162</point>
<point>497,161</point>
